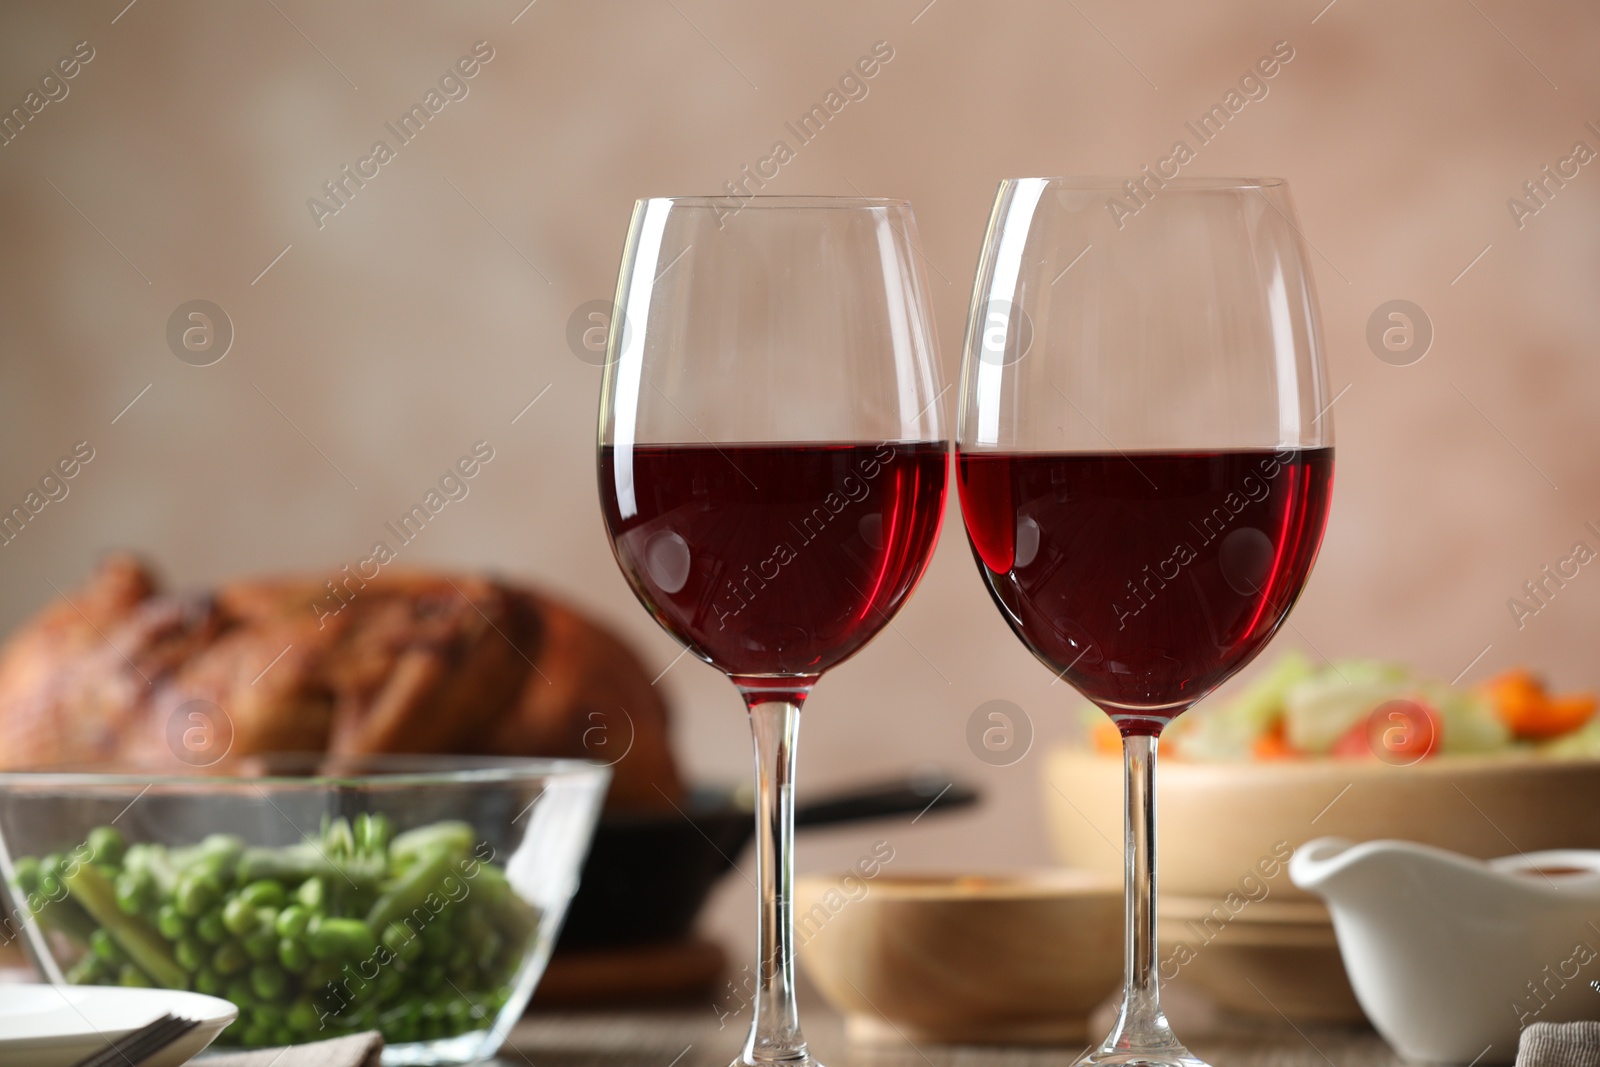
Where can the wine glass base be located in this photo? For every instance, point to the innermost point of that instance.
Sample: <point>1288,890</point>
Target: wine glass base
<point>804,1059</point>
<point>1163,1056</point>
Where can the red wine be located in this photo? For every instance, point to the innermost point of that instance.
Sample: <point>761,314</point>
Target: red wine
<point>774,559</point>
<point>1145,579</point>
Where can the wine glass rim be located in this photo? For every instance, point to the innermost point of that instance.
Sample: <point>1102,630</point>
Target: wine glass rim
<point>1116,184</point>
<point>746,203</point>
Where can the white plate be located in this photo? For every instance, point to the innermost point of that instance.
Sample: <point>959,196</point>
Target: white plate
<point>56,1026</point>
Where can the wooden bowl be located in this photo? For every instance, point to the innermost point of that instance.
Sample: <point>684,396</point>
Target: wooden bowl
<point>1220,824</point>
<point>1010,959</point>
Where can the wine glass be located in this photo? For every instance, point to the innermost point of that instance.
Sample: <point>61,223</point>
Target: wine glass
<point>1144,460</point>
<point>772,471</point>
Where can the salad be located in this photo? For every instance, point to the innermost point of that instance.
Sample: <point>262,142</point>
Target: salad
<point>1365,709</point>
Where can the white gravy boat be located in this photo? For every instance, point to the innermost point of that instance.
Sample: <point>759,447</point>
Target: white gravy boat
<point>1451,956</point>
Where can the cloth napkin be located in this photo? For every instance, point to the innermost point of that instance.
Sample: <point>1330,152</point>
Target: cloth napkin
<point>1560,1045</point>
<point>357,1050</point>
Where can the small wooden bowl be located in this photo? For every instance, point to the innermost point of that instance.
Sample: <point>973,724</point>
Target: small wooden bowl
<point>975,959</point>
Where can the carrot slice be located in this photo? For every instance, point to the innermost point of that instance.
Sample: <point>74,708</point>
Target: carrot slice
<point>1106,738</point>
<point>1273,745</point>
<point>1531,712</point>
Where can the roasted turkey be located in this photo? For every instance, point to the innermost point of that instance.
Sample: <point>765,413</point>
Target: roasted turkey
<point>405,663</point>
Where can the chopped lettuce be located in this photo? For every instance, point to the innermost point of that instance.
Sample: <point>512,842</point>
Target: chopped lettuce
<point>1320,710</point>
<point>1468,721</point>
<point>1229,729</point>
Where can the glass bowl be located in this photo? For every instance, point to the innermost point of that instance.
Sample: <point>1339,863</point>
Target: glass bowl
<point>416,895</point>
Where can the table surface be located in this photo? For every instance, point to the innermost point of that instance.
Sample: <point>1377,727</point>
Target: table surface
<point>687,1037</point>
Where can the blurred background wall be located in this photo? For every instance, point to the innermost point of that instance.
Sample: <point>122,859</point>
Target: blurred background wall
<point>374,344</point>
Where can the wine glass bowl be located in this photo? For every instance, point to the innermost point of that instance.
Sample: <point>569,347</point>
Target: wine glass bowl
<point>772,471</point>
<point>1144,460</point>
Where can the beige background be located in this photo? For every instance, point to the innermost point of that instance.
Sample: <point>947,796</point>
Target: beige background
<point>432,309</point>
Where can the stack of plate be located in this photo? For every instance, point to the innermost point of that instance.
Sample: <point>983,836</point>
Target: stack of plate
<point>1269,958</point>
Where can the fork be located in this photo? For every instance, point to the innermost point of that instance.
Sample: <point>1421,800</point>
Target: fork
<point>135,1047</point>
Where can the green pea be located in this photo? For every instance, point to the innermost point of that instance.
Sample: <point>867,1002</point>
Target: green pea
<point>269,1015</point>
<point>261,944</point>
<point>293,956</point>
<point>312,893</point>
<point>239,992</point>
<point>229,959</point>
<point>399,1023</point>
<point>171,923</point>
<point>238,916</point>
<point>106,844</point>
<point>436,940</point>
<point>224,844</point>
<point>303,1018</point>
<point>85,971</point>
<point>136,891</point>
<point>255,1036</point>
<point>28,872</point>
<point>103,946</point>
<point>209,927</point>
<point>388,985</point>
<point>488,948</point>
<point>292,920</point>
<point>191,953</point>
<point>269,982</point>
<point>133,977</point>
<point>196,893</point>
<point>322,973</point>
<point>208,982</point>
<point>400,941</point>
<point>264,893</point>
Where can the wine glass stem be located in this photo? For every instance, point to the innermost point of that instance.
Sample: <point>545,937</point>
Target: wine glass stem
<point>775,1036</point>
<point>1141,1024</point>
<point>1139,858</point>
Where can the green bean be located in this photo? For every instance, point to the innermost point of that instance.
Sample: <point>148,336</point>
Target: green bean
<point>455,838</point>
<point>342,938</point>
<point>413,887</point>
<point>373,832</point>
<point>143,945</point>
